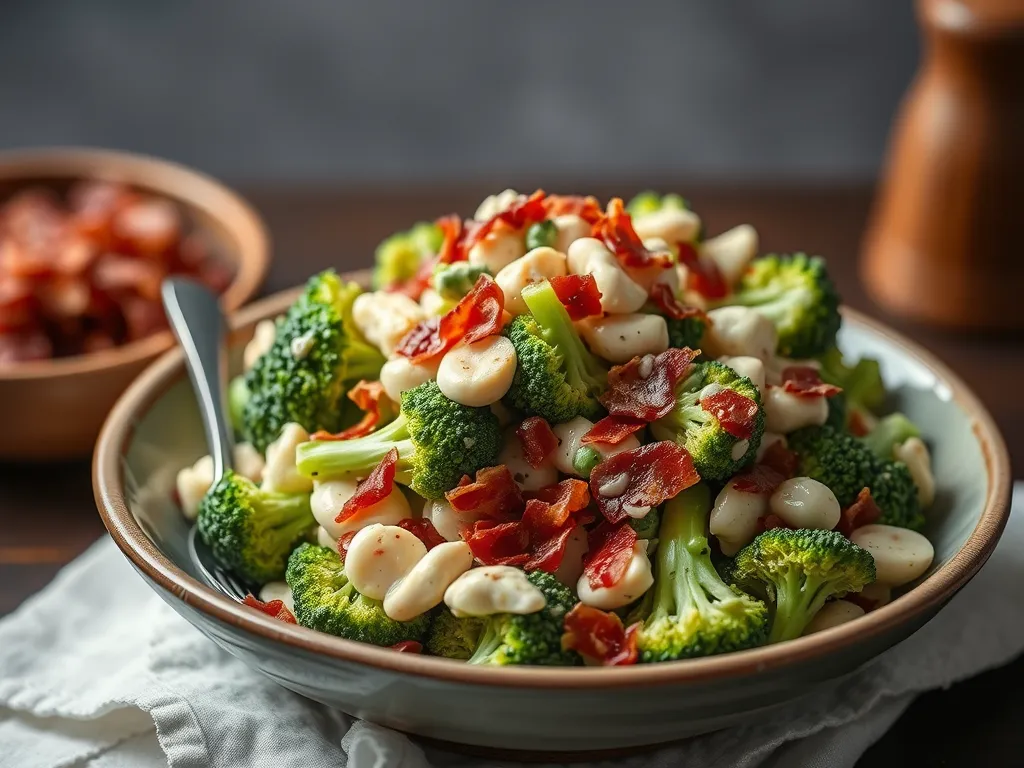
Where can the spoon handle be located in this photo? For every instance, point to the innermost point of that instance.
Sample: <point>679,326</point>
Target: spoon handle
<point>199,326</point>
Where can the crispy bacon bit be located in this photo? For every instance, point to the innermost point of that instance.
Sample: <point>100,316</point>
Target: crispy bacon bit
<point>863,511</point>
<point>563,499</point>
<point>344,542</point>
<point>423,530</point>
<point>702,275</point>
<point>770,522</point>
<point>587,208</point>
<point>408,646</point>
<point>600,637</point>
<point>803,380</point>
<point>781,459</point>
<point>644,388</point>
<point>537,440</point>
<point>548,535</point>
<point>857,424</point>
<point>579,295</point>
<point>778,464</point>
<point>610,548</point>
<point>370,397</point>
<point>418,283</point>
<point>612,430</point>
<point>375,488</point>
<point>453,243</point>
<point>734,412</point>
<point>275,609</point>
<point>522,213</point>
<point>477,315</point>
<point>494,495</point>
<point>498,543</point>
<point>665,299</point>
<point>649,475</point>
<point>616,231</point>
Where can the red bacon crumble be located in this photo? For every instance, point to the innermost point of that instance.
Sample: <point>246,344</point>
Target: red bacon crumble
<point>578,294</point>
<point>702,275</point>
<point>423,530</point>
<point>649,397</point>
<point>344,542</point>
<point>863,511</point>
<point>453,234</point>
<point>612,430</point>
<point>781,459</point>
<point>537,440</point>
<point>418,283</point>
<point>562,500</point>
<point>587,208</point>
<point>275,609</point>
<point>778,464</point>
<point>734,412</point>
<point>600,637</point>
<point>610,548</point>
<point>498,543</point>
<point>407,646</point>
<point>494,495</point>
<point>652,473</point>
<point>477,315</point>
<point>805,381</point>
<point>665,299</point>
<point>616,231</point>
<point>857,424</point>
<point>369,397</point>
<point>375,488</point>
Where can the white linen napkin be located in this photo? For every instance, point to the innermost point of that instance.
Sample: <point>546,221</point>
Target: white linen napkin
<point>97,671</point>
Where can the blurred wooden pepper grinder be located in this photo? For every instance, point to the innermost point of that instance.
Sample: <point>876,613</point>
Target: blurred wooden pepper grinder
<point>946,239</point>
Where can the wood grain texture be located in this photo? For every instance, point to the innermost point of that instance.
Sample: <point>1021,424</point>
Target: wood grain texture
<point>48,515</point>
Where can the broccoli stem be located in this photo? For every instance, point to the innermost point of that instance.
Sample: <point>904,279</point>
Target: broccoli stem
<point>334,458</point>
<point>490,641</point>
<point>683,549</point>
<point>797,600</point>
<point>583,371</point>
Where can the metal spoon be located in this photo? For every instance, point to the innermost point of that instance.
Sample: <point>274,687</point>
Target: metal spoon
<point>197,322</point>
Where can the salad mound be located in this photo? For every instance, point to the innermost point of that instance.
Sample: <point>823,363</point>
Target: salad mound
<point>564,433</point>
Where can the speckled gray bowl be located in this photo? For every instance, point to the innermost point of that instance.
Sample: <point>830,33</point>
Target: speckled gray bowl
<point>154,430</point>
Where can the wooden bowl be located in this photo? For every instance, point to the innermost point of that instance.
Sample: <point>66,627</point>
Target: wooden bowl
<point>155,429</point>
<point>53,409</point>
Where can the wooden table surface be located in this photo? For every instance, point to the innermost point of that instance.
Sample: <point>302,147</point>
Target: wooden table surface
<point>48,515</point>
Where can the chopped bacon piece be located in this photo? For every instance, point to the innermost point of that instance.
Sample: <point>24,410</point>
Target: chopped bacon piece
<point>641,477</point>
<point>770,522</point>
<point>579,295</point>
<point>344,542</point>
<point>665,299</point>
<point>370,397</point>
<point>600,637</point>
<point>778,464</point>
<point>612,430</point>
<point>418,283</point>
<point>857,424</point>
<point>407,646</point>
<point>494,495</point>
<point>610,548</point>
<point>616,231</point>
<point>537,440</point>
<point>644,388</point>
<point>563,499</point>
<point>423,530</point>
<point>863,511</point>
<point>453,233</point>
<point>587,208</point>
<point>498,543</point>
<point>477,315</point>
<point>374,489</point>
<point>702,275</point>
<point>804,380</point>
<point>275,609</point>
<point>735,412</point>
<point>547,538</point>
<point>781,459</point>
<point>522,213</point>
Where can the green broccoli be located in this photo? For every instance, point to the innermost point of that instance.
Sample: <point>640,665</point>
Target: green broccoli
<point>846,465</point>
<point>557,377</point>
<point>251,531</point>
<point>717,455</point>
<point>890,431</point>
<point>838,412</point>
<point>543,233</point>
<point>797,295</point>
<point>453,281</point>
<point>651,202</point>
<point>325,600</point>
<point>687,332</point>
<point>505,638</point>
<point>799,571</point>
<point>238,398</point>
<point>400,256</point>
<point>861,382</point>
<point>693,611</point>
<point>309,388</point>
<point>438,442</point>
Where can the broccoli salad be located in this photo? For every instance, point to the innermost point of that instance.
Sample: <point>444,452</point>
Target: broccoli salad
<point>561,433</point>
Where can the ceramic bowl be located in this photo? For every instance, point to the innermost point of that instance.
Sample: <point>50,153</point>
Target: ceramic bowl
<point>53,409</point>
<point>155,429</point>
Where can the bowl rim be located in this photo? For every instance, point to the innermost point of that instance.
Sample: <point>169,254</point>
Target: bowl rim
<point>162,177</point>
<point>108,485</point>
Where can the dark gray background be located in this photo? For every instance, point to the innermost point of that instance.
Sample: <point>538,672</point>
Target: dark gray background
<point>341,90</point>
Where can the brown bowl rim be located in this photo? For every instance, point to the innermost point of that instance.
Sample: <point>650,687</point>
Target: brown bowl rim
<point>162,177</point>
<point>931,593</point>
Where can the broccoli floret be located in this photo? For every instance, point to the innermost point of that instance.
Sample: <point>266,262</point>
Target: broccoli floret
<point>557,377</point>
<point>888,433</point>
<point>687,332</point>
<point>438,441</point>
<point>309,387</point>
<point>646,527</point>
<point>453,281</point>
<point>251,531</point>
<point>325,600</point>
<point>400,256</point>
<point>651,202</point>
<point>846,465</point>
<point>837,412</point>
<point>797,295</point>
<point>543,233</point>
<point>454,638</point>
<point>699,431</point>
<point>534,639</point>
<point>861,382</point>
<point>238,398</point>
<point>693,611</point>
<point>799,571</point>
